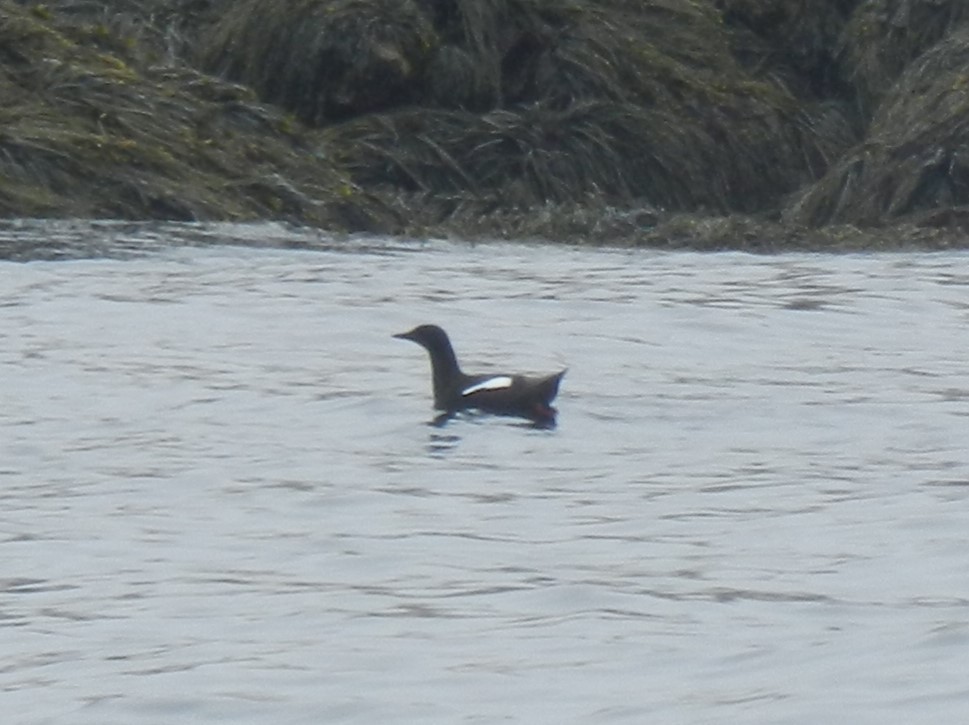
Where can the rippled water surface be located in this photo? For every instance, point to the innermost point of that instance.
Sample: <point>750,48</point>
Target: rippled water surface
<point>221,500</point>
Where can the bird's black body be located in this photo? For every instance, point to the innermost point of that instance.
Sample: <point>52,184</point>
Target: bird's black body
<point>516,395</point>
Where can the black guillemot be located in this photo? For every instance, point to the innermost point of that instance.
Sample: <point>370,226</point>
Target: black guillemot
<point>515,395</point>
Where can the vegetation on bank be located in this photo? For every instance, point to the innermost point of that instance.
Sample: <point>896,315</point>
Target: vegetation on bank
<point>757,124</point>
<point>92,127</point>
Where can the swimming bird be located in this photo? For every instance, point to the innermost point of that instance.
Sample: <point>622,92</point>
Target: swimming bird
<point>503,394</point>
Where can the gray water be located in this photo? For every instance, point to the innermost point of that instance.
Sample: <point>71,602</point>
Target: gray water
<point>221,500</point>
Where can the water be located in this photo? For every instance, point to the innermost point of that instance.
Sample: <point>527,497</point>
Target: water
<point>220,499</point>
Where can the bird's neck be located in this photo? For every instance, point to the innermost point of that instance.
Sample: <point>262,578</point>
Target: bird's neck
<point>444,370</point>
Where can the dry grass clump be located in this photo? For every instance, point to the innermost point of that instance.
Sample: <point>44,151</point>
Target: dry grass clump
<point>86,134</point>
<point>324,60</point>
<point>144,32</point>
<point>915,162</point>
<point>518,159</point>
<point>525,102</point>
<point>884,36</point>
<point>796,40</point>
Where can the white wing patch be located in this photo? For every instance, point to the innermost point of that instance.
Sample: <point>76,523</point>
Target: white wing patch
<point>496,383</point>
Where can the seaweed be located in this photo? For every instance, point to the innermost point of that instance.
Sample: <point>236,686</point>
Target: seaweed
<point>914,163</point>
